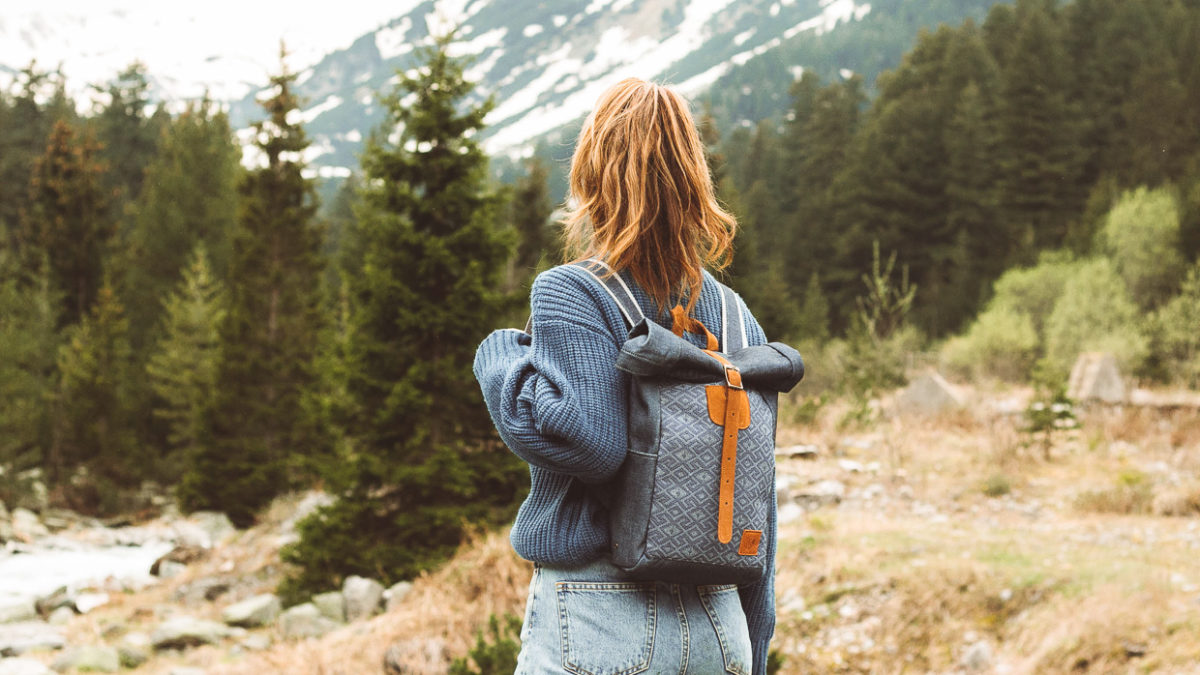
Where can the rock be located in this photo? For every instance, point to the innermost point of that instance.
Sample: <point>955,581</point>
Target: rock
<point>90,658</point>
<point>929,394</point>
<point>822,493</point>
<point>20,666</point>
<point>86,602</point>
<point>183,555</point>
<point>1096,377</point>
<point>416,655</point>
<point>202,590</point>
<point>303,621</point>
<point>804,451</point>
<point>259,610</point>
<point>204,529</point>
<point>395,595</point>
<point>19,638</point>
<point>26,527</point>
<point>332,605</point>
<point>61,616</point>
<point>851,466</point>
<point>6,529</point>
<point>59,598</point>
<point>169,568</point>
<point>185,631</point>
<point>134,649</point>
<point>13,610</point>
<point>978,656</point>
<point>362,597</point>
<point>186,670</point>
<point>256,643</point>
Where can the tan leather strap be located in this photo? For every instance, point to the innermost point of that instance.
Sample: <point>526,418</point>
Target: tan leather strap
<point>682,323</point>
<point>728,406</point>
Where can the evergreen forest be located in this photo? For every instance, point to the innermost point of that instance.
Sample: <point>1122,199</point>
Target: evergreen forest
<point>179,313</point>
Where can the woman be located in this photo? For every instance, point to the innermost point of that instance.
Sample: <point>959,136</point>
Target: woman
<point>644,203</point>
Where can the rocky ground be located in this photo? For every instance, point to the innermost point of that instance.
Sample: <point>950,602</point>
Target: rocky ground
<point>931,540</point>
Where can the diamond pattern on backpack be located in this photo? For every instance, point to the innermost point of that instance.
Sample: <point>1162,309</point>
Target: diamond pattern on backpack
<point>683,513</point>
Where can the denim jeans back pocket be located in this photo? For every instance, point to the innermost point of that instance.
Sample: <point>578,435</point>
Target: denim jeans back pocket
<point>607,628</point>
<point>724,608</point>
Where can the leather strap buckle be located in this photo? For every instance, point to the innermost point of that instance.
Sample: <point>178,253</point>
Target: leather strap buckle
<point>733,377</point>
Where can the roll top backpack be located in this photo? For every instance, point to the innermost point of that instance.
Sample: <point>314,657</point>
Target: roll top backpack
<point>693,496</point>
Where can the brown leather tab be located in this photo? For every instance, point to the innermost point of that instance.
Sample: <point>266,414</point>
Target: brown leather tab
<point>681,323</point>
<point>718,395</point>
<point>728,470</point>
<point>750,540</point>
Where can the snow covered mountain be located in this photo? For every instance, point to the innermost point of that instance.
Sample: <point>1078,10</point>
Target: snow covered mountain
<point>546,62</point>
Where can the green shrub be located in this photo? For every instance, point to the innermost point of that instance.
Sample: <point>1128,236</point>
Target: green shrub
<point>495,656</point>
<point>996,485</point>
<point>1051,411</point>
<point>1095,313</point>
<point>1033,291</point>
<point>1141,236</point>
<point>1176,333</point>
<point>1002,343</point>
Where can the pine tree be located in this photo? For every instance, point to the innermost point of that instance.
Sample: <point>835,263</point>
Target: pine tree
<point>67,221</point>
<point>94,449</point>
<point>28,345</point>
<point>424,457</point>
<point>813,318</point>
<point>260,429</point>
<point>530,216</point>
<point>182,369</point>
<point>128,137</point>
<point>190,196</point>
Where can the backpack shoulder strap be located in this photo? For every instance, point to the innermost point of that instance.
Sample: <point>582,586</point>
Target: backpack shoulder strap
<point>733,323</point>
<point>616,287</point>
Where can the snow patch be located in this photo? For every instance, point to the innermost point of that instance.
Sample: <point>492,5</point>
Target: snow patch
<point>596,5</point>
<point>353,136</point>
<point>307,116</point>
<point>559,20</point>
<point>393,41</point>
<point>740,38</point>
<point>532,29</point>
<point>846,73</point>
<point>833,13</point>
<point>478,44</point>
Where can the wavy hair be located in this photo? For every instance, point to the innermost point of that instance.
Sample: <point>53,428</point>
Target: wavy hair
<point>641,196</point>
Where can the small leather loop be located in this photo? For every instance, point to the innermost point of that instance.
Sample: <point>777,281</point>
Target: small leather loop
<point>682,323</point>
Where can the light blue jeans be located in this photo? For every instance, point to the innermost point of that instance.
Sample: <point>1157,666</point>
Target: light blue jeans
<point>593,620</point>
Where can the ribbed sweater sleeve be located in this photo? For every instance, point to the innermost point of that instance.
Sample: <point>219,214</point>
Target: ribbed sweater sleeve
<point>556,398</point>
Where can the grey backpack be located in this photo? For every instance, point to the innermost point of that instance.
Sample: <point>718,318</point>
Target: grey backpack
<point>693,497</point>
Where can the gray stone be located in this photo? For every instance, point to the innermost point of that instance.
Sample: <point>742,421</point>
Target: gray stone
<point>20,638</point>
<point>186,670</point>
<point>823,493</point>
<point>256,643</point>
<point>61,616</point>
<point>21,666</point>
<point>90,658</point>
<point>332,605</point>
<point>186,631</point>
<point>170,568</point>
<point>86,602</point>
<point>804,451</point>
<point>13,610</point>
<point>6,530</point>
<point>134,649</point>
<point>929,394</point>
<point>362,597</point>
<point>59,598</point>
<point>204,529</point>
<point>26,526</point>
<point>978,656</point>
<point>395,595</point>
<point>1096,377</point>
<point>303,621</point>
<point>416,655</point>
<point>259,610</point>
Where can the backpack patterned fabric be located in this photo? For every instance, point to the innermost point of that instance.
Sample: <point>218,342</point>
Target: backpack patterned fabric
<point>693,495</point>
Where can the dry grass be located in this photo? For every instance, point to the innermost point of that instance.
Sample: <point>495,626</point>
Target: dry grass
<point>448,605</point>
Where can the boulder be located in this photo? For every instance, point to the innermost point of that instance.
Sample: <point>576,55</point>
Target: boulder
<point>14,609</point>
<point>1096,377</point>
<point>417,655</point>
<point>86,602</point>
<point>186,631</point>
<point>59,598</point>
<point>181,555</point>
<point>204,529</point>
<point>61,616</point>
<point>929,394</point>
<point>259,610</point>
<point>303,621</point>
<point>332,605</point>
<point>21,666</point>
<point>90,658</point>
<point>823,493</point>
<point>186,670</point>
<point>19,638</point>
<point>26,527</point>
<point>395,595</point>
<point>134,649</point>
<point>803,451</point>
<point>362,597</point>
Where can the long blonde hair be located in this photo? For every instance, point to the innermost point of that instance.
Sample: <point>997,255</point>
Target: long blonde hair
<point>641,196</point>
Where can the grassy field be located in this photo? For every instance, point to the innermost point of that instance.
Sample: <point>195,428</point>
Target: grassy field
<point>958,544</point>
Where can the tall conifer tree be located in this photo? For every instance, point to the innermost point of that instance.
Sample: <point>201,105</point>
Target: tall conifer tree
<point>259,428</point>
<point>424,456</point>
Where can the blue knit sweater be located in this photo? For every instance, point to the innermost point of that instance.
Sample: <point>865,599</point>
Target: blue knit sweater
<point>559,403</point>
